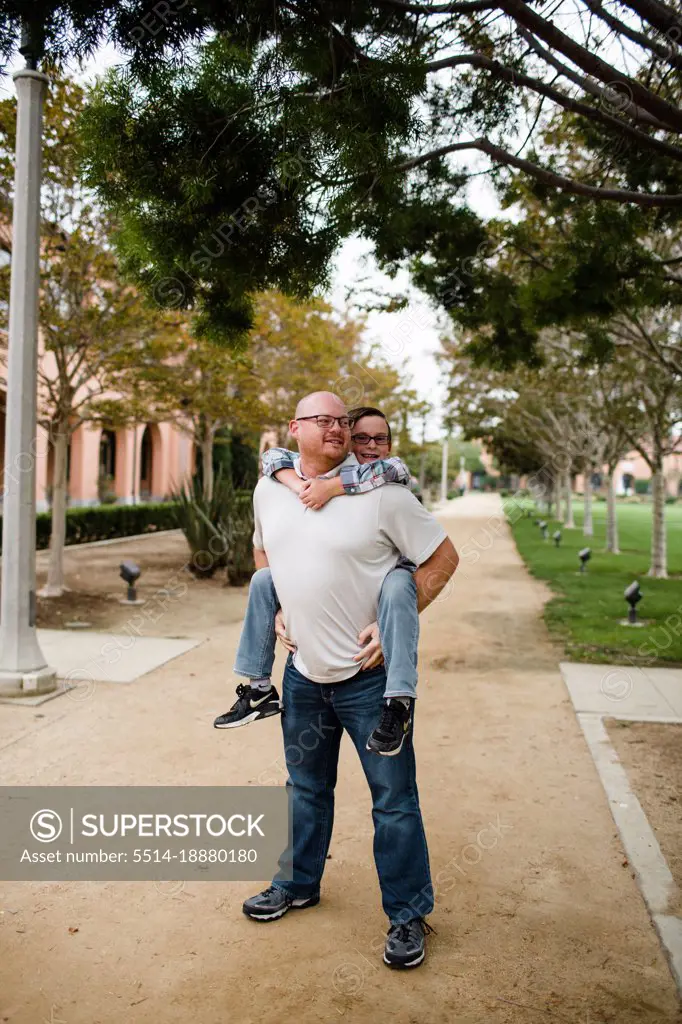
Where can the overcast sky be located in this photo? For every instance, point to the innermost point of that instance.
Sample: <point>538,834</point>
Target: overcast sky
<point>411,334</point>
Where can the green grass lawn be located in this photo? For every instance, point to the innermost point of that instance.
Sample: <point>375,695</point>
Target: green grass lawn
<point>586,610</point>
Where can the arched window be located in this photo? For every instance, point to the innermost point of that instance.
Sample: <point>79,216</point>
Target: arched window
<point>107,454</point>
<point>146,460</point>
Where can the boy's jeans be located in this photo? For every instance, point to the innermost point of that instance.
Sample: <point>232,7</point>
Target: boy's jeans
<point>314,720</point>
<point>398,628</point>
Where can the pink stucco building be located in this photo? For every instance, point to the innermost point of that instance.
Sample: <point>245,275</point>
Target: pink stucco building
<point>145,462</point>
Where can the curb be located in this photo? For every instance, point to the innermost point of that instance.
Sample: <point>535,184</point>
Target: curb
<point>641,846</point>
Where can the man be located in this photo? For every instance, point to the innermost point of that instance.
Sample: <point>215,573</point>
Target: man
<point>395,635</point>
<point>328,567</point>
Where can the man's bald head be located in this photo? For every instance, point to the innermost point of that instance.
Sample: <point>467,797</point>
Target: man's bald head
<point>320,402</point>
<point>321,448</point>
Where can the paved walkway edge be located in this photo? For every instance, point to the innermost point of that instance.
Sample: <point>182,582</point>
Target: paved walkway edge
<point>641,846</point>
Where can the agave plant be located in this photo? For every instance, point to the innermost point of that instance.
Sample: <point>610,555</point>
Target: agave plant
<point>218,530</point>
<point>206,523</point>
<point>240,565</point>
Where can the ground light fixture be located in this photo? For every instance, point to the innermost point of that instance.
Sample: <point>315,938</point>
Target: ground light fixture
<point>633,595</point>
<point>557,537</point>
<point>584,557</point>
<point>130,573</point>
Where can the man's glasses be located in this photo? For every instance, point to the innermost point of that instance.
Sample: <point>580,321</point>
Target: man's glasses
<point>366,438</point>
<point>328,421</point>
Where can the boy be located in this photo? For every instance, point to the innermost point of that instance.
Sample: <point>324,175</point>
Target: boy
<point>397,618</point>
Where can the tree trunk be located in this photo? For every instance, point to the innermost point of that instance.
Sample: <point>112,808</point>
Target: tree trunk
<point>207,466</point>
<point>55,572</point>
<point>557,496</point>
<point>611,515</point>
<point>422,471</point>
<point>659,554</point>
<point>569,521</point>
<point>588,529</point>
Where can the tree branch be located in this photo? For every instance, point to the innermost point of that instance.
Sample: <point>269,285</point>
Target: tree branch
<point>655,13</point>
<point>591,63</point>
<point>508,74</point>
<point>646,42</point>
<point>645,199</point>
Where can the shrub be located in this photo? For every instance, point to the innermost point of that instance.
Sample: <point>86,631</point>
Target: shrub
<point>218,530</point>
<point>240,565</point>
<point>106,491</point>
<point>642,486</point>
<point>106,522</point>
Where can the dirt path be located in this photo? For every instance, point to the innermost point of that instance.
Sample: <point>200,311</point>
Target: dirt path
<point>537,916</point>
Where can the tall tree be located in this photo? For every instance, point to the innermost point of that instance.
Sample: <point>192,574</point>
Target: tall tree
<point>201,387</point>
<point>646,404</point>
<point>293,127</point>
<point>301,347</point>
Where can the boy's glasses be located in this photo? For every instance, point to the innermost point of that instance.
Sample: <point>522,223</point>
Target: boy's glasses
<point>366,438</point>
<point>328,421</point>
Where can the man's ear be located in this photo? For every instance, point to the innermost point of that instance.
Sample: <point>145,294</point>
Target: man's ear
<point>293,428</point>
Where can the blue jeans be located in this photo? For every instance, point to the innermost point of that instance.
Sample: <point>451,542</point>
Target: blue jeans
<point>398,629</point>
<point>315,716</point>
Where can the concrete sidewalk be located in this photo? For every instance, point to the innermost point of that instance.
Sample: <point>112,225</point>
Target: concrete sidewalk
<point>624,691</point>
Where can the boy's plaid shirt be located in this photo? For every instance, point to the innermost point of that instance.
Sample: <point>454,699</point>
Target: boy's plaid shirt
<point>355,479</point>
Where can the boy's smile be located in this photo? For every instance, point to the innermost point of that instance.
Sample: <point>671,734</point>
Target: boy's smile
<point>370,451</point>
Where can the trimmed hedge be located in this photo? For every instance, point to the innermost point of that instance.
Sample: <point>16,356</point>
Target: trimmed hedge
<point>106,522</point>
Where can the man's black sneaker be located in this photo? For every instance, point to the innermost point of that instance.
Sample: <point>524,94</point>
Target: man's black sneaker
<point>250,706</point>
<point>273,903</point>
<point>405,943</point>
<point>389,735</point>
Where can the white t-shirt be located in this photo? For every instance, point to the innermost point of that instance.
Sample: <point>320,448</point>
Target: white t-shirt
<point>328,565</point>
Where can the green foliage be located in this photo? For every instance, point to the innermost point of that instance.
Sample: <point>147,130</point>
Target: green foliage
<point>490,482</point>
<point>642,486</point>
<point>240,565</point>
<point>209,214</point>
<point>106,491</point>
<point>244,461</point>
<point>106,522</point>
<point>218,529</point>
<point>584,615</point>
<point>239,147</point>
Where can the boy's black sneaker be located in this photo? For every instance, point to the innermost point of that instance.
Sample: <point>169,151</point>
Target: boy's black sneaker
<point>405,943</point>
<point>250,706</point>
<point>273,903</point>
<point>389,735</point>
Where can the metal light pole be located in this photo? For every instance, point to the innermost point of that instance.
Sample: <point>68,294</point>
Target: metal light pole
<point>444,471</point>
<point>23,670</point>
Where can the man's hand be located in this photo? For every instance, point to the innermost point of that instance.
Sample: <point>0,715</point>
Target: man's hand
<point>371,654</point>
<point>281,632</point>
<point>316,493</point>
